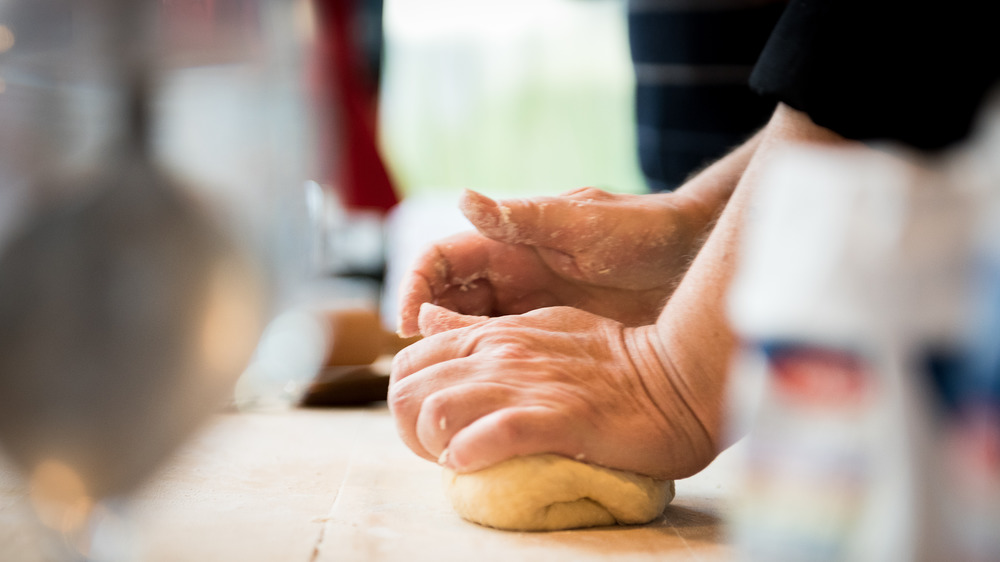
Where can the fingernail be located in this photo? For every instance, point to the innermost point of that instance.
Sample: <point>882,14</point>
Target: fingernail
<point>428,307</point>
<point>480,209</point>
<point>443,459</point>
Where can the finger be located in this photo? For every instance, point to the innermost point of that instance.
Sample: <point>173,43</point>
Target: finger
<point>508,433</point>
<point>559,223</point>
<point>404,403</point>
<point>414,291</point>
<point>450,273</point>
<point>561,319</point>
<point>589,194</point>
<point>435,319</point>
<point>407,394</point>
<point>429,352</point>
<point>447,411</point>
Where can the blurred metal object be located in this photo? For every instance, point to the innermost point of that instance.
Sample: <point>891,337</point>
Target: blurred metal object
<point>127,308</point>
<point>117,309</point>
<point>344,242</point>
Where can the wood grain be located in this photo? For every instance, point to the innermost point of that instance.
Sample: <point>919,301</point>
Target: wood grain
<point>336,485</point>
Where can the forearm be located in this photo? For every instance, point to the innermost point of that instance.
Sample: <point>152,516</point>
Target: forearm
<point>707,192</point>
<point>693,336</point>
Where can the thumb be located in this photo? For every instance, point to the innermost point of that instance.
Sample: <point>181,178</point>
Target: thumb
<point>553,222</point>
<point>435,319</point>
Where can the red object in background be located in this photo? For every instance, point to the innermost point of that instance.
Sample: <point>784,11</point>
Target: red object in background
<point>343,93</point>
<point>349,156</point>
<point>821,377</point>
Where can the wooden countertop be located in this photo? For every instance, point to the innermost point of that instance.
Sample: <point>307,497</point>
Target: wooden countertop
<point>338,485</point>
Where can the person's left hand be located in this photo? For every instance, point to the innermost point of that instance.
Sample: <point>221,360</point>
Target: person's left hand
<point>616,255</point>
<point>554,380</point>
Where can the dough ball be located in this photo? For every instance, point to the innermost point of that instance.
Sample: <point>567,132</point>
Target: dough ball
<point>550,492</point>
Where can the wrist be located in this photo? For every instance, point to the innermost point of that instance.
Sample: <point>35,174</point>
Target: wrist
<point>687,430</point>
<point>706,194</point>
<point>789,125</point>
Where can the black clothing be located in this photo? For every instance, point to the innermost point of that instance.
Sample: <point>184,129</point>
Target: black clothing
<point>908,70</point>
<point>692,61</point>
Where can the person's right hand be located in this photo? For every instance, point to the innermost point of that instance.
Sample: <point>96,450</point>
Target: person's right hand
<point>476,391</point>
<point>618,256</point>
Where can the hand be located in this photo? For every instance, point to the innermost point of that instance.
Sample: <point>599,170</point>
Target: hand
<point>618,256</point>
<point>556,380</point>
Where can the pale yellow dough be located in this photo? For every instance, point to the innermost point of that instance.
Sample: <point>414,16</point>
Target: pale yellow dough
<point>549,492</point>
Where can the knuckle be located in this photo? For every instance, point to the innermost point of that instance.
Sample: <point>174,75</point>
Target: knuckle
<point>552,312</point>
<point>434,408</point>
<point>398,399</point>
<point>512,426</point>
<point>593,193</point>
<point>401,365</point>
<point>510,351</point>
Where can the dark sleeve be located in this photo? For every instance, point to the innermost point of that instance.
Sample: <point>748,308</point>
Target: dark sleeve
<point>914,71</point>
<point>692,60</point>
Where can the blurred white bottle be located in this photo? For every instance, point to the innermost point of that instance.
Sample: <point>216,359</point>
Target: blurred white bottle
<point>842,250</point>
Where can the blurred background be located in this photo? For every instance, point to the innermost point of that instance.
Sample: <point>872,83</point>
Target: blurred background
<point>512,98</point>
<point>508,98</point>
